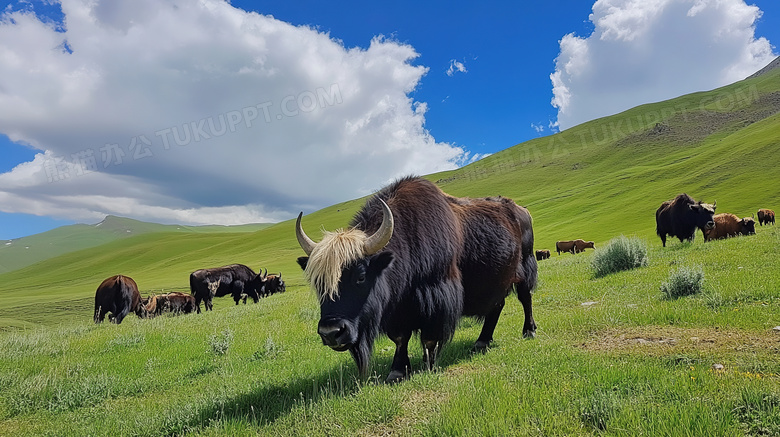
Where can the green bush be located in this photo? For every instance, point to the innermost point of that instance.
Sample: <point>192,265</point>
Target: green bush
<point>685,281</point>
<point>619,254</point>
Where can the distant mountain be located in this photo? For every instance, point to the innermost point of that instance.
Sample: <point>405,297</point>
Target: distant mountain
<point>25,251</point>
<point>771,66</point>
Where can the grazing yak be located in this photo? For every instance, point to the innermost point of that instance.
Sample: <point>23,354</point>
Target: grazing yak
<point>580,245</point>
<point>765,216</point>
<point>119,296</point>
<point>681,216</point>
<point>415,259</point>
<point>235,279</point>
<point>564,246</point>
<point>174,302</point>
<point>274,284</point>
<point>542,254</point>
<point>729,225</point>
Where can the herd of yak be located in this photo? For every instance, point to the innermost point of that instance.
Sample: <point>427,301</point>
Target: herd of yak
<point>415,260</point>
<point>118,295</point>
<point>679,218</point>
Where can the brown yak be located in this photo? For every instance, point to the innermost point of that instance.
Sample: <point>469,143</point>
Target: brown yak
<point>580,245</point>
<point>765,216</point>
<point>729,225</point>
<point>542,254</point>
<point>564,246</point>
<point>119,296</point>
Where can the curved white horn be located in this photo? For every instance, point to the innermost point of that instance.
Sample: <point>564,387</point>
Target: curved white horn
<point>381,237</point>
<point>307,244</point>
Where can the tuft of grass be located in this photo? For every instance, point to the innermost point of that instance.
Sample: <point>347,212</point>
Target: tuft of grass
<point>758,412</point>
<point>621,253</point>
<point>220,343</point>
<point>598,408</point>
<point>684,281</point>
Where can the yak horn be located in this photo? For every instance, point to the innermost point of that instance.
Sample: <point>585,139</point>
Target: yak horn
<point>307,244</point>
<point>265,274</point>
<point>381,237</point>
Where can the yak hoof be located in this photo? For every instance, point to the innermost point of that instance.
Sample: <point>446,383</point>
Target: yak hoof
<point>530,335</point>
<point>395,376</point>
<point>480,346</point>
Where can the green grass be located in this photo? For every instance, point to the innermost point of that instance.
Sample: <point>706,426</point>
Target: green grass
<point>612,355</point>
<point>631,363</point>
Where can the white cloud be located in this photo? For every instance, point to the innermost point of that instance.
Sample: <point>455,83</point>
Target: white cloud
<point>645,51</point>
<point>538,128</point>
<point>197,112</point>
<point>456,67</point>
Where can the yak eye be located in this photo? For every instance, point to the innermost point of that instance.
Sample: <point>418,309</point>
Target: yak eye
<point>361,277</point>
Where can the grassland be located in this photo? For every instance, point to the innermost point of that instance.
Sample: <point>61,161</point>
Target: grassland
<point>613,356</point>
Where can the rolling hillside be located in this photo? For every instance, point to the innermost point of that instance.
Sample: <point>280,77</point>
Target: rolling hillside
<point>25,251</point>
<point>594,181</point>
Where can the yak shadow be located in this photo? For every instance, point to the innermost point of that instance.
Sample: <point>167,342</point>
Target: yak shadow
<point>268,403</point>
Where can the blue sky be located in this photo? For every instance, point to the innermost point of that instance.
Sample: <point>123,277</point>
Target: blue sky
<point>410,87</point>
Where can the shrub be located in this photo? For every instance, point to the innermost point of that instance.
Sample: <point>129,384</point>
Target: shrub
<point>221,343</point>
<point>685,281</point>
<point>619,254</point>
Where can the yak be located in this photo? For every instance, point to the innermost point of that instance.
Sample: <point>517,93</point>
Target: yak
<point>274,284</point>
<point>580,245</point>
<point>681,216</point>
<point>564,246</point>
<point>542,254</point>
<point>729,225</point>
<point>416,260</point>
<point>234,279</point>
<point>765,216</point>
<point>119,296</point>
<point>174,302</point>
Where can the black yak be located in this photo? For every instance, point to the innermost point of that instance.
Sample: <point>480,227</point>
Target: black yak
<point>681,216</point>
<point>119,296</point>
<point>416,260</point>
<point>235,279</point>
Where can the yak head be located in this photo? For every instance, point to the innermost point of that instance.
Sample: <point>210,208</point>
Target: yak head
<point>748,226</point>
<point>344,270</point>
<point>256,285</point>
<point>703,213</point>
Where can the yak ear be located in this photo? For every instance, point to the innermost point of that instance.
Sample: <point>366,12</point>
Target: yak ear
<point>303,261</point>
<point>380,262</point>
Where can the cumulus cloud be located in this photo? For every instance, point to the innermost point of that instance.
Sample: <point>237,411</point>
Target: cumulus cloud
<point>197,112</point>
<point>456,67</point>
<point>652,50</point>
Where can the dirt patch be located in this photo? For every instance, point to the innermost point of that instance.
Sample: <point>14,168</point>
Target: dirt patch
<point>666,339</point>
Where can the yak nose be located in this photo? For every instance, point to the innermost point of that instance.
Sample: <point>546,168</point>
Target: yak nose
<point>710,225</point>
<point>330,331</point>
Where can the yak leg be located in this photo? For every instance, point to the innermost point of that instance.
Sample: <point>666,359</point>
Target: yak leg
<point>100,315</point>
<point>197,303</point>
<point>119,317</point>
<point>401,366</point>
<point>486,336</point>
<point>431,350</point>
<point>525,296</point>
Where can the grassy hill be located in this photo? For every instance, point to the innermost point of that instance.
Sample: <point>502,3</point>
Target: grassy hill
<point>25,251</point>
<point>593,181</point>
<point>628,362</point>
